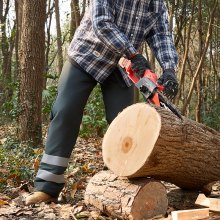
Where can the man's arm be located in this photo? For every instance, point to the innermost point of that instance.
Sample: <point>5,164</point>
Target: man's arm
<point>106,30</point>
<point>160,41</point>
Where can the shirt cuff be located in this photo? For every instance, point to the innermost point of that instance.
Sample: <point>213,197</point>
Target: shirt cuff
<point>168,66</point>
<point>130,51</point>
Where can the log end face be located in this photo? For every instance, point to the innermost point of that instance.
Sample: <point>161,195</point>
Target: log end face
<point>151,201</point>
<point>130,139</point>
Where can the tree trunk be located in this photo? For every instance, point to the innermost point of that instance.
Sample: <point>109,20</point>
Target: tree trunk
<point>48,40</point>
<point>32,65</point>
<point>123,199</point>
<point>75,17</point>
<point>144,141</point>
<point>18,10</point>
<point>59,37</point>
<point>7,47</point>
<point>199,85</point>
<point>186,52</point>
<point>201,62</point>
<point>76,10</point>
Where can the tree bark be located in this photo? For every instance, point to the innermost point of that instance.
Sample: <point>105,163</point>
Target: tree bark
<point>144,141</point>
<point>18,10</point>
<point>180,199</point>
<point>59,37</point>
<point>32,66</point>
<point>75,17</point>
<point>123,199</point>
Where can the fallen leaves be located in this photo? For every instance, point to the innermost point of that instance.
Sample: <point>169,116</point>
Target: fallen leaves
<point>9,210</point>
<point>42,211</point>
<point>2,202</point>
<point>74,189</point>
<point>86,160</point>
<point>36,164</point>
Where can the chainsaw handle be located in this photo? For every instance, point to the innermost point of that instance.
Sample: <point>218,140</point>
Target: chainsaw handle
<point>132,75</point>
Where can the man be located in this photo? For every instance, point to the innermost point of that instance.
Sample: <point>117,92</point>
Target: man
<point>109,30</point>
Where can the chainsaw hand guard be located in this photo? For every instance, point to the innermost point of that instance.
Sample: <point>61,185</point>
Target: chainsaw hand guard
<point>170,89</point>
<point>169,81</point>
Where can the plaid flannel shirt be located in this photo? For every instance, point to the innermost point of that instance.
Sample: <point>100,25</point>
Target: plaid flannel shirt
<point>114,28</point>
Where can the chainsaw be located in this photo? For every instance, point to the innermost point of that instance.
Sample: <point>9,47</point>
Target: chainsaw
<point>147,85</point>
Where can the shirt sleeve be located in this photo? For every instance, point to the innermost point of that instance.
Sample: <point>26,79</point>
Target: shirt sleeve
<point>161,42</point>
<point>106,30</point>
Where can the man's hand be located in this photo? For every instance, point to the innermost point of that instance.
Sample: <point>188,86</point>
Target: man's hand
<point>139,64</point>
<point>169,81</point>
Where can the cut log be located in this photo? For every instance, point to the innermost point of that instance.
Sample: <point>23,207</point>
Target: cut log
<point>123,199</point>
<point>194,214</point>
<point>212,203</point>
<point>144,141</point>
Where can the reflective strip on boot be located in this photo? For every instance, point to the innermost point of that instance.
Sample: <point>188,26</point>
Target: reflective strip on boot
<point>48,176</point>
<point>55,160</point>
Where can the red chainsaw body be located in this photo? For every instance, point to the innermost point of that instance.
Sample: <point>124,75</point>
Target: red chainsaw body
<point>126,64</point>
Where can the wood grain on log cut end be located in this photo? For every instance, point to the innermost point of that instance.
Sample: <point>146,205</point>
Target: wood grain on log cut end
<point>123,199</point>
<point>133,133</point>
<point>150,201</point>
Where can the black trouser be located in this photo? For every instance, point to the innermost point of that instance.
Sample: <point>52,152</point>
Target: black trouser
<point>74,88</point>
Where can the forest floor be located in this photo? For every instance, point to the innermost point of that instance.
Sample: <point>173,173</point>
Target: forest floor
<point>85,162</point>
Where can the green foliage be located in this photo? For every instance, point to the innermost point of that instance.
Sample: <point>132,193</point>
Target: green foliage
<point>93,122</point>
<point>48,97</point>
<point>16,160</point>
<point>212,117</point>
<point>9,108</point>
<point>50,93</point>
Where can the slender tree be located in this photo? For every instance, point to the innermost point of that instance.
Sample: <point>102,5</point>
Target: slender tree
<point>59,37</point>
<point>7,42</point>
<point>201,62</point>
<point>199,85</point>
<point>48,39</point>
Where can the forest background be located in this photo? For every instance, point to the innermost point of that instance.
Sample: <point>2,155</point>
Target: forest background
<point>34,39</point>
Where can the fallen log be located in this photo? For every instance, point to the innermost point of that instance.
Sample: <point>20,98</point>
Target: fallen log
<point>121,198</point>
<point>144,141</point>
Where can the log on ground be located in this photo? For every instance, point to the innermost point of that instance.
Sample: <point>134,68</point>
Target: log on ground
<point>144,141</point>
<point>121,198</point>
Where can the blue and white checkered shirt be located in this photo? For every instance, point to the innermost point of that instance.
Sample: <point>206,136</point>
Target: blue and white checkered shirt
<point>111,29</point>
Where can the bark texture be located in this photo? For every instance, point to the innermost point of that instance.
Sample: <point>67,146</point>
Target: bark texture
<point>142,141</point>
<point>123,199</point>
<point>32,66</point>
